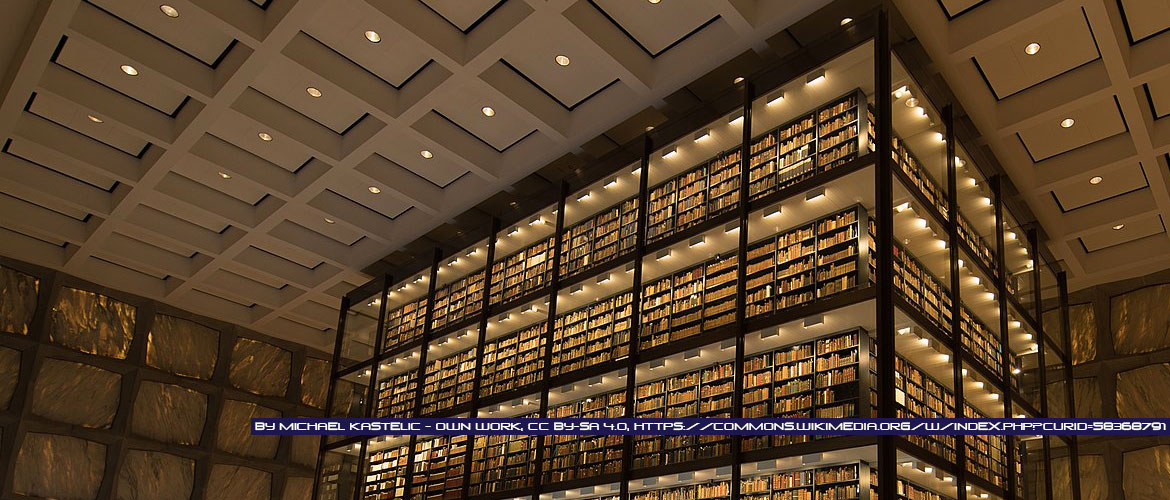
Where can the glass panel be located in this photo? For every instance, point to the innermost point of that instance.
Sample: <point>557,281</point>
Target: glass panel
<point>397,386</point>
<point>594,321</point>
<point>1057,381</point>
<point>976,215</point>
<point>600,222</point>
<point>1019,259</point>
<point>339,473</point>
<point>385,467</point>
<point>1035,467</point>
<point>523,258</point>
<point>406,311</point>
<point>361,324</point>
<point>1050,304</point>
<point>350,393</point>
<point>459,289</point>
<point>919,150</point>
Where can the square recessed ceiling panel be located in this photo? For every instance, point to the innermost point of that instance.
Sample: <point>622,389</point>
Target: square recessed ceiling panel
<point>289,83</point>
<point>439,169</point>
<point>245,134</point>
<point>1159,94</point>
<point>463,103</point>
<point>1145,18</point>
<point>1091,123</point>
<point>1065,43</point>
<point>56,161</point>
<point>356,189</point>
<point>1114,182</point>
<point>956,7</point>
<point>205,173</point>
<point>342,26</point>
<point>463,14</point>
<point>1136,228</point>
<point>193,32</point>
<point>103,65</point>
<point>656,27</point>
<point>535,59</point>
<point>67,114</point>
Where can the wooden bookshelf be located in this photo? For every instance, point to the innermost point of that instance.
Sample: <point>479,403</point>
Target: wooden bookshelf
<point>710,490</point>
<point>817,378</point>
<point>812,261</point>
<point>458,300</point>
<point>920,179</point>
<point>920,396</point>
<point>979,340</point>
<point>837,482</point>
<point>600,238</point>
<point>438,468</point>
<point>575,457</point>
<point>922,288</point>
<point>592,334</point>
<point>502,463</point>
<point>701,393</point>
<point>522,272</point>
<point>982,252</point>
<point>386,474</point>
<point>687,302</point>
<point>396,395</point>
<point>406,323</point>
<point>688,199</point>
<point>986,454</point>
<point>448,382</point>
<point>513,360</point>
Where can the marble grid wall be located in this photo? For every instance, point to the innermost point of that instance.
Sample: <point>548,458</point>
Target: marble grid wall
<point>108,396</point>
<point>1120,334</point>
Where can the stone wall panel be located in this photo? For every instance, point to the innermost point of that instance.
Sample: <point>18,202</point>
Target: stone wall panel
<point>18,300</point>
<point>169,413</point>
<point>1141,392</point>
<point>76,393</point>
<point>233,482</point>
<point>92,323</point>
<point>315,382</point>
<point>298,488</point>
<point>182,347</point>
<point>235,430</point>
<point>1146,472</point>
<point>1087,396</point>
<point>59,467</point>
<point>303,450</point>
<point>152,475</point>
<point>1082,322</point>
<point>260,368</point>
<point>1140,320</point>
<point>9,375</point>
<point>1094,480</point>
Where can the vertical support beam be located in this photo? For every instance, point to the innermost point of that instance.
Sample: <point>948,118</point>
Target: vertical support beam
<point>635,314</point>
<point>956,344</point>
<point>741,287</point>
<point>336,361</point>
<point>371,390</point>
<point>420,376</point>
<point>1066,332</point>
<point>481,339</point>
<point>538,474</point>
<point>884,182</point>
<point>1041,342</point>
<point>1001,296</point>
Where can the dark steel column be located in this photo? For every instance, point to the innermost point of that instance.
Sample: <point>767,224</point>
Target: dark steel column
<point>1041,343</point>
<point>884,183</point>
<point>1005,346</point>
<point>1066,332</point>
<point>635,314</point>
<point>332,387</point>
<point>554,289</point>
<point>479,342</point>
<point>741,288</point>
<point>956,344</point>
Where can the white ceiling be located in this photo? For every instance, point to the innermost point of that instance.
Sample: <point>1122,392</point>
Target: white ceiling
<point>1102,63</point>
<point>137,202</point>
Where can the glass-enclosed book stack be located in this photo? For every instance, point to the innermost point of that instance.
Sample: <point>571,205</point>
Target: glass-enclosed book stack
<point>700,393</point>
<point>569,457</point>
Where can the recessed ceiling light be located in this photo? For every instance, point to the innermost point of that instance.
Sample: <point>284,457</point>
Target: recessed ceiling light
<point>1119,227</point>
<point>488,111</point>
<point>129,70</point>
<point>225,175</point>
<point>654,1</point>
<point>168,10</point>
<point>1096,179</point>
<point>373,36</point>
<point>329,221</point>
<point>94,119</point>
<point>737,79</point>
<point>912,102</point>
<point>562,60</point>
<point>426,154</point>
<point>314,91</point>
<point>846,20</point>
<point>374,189</point>
<point>1032,48</point>
<point>1067,122</point>
<point>649,127</point>
<point>264,136</point>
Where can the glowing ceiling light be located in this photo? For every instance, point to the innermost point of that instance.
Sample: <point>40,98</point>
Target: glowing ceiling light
<point>815,77</point>
<point>264,136</point>
<point>488,111</point>
<point>94,119</point>
<point>1032,48</point>
<point>313,91</point>
<point>562,60</point>
<point>1096,179</point>
<point>170,12</point>
<point>129,70</point>
<point>846,20</point>
<point>374,189</point>
<point>1067,122</point>
<point>225,175</point>
<point>426,154</point>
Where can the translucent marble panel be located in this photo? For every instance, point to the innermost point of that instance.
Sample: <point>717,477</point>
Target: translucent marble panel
<point>1146,472</point>
<point>182,347</point>
<point>1082,324</point>
<point>76,393</point>
<point>235,430</point>
<point>92,323</point>
<point>60,467</point>
<point>1141,392</point>
<point>233,482</point>
<point>260,368</point>
<point>1140,320</point>
<point>9,375</point>
<point>169,413</point>
<point>315,382</point>
<point>152,475</point>
<point>18,300</point>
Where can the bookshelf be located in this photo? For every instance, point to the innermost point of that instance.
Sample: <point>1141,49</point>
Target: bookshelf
<point>438,468</point>
<point>986,455</point>
<point>968,235</point>
<point>922,289</point>
<point>979,340</point>
<point>690,198</point>
<point>513,361</point>
<point>710,490</point>
<point>593,334</point>
<point>700,393</point>
<point>502,463</point>
<point>920,179</point>
<point>601,238</point>
<point>575,457</point>
<point>837,482</point>
<point>405,324</point>
<point>396,395</point>
<point>459,300</point>
<point>815,260</point>
<point>680,305</point>
<point>920,396</point>
<point>818,378</point>
<point>448,382</point>
<point>524,271</point>
<point>386,474</point>
<point>815,142</point>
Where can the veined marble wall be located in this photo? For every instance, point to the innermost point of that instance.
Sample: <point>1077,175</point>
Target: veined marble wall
<point>1120,351</point>
<point>108,396</point>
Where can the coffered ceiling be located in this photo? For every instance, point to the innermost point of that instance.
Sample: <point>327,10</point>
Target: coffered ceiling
<point>247,159</point>
<point>1100,187</point>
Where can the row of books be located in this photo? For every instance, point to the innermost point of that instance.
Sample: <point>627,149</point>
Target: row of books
<point>686,302</point>
<point>570,457</point>
<point>811,143</point>
<point>693,196</point>
<point>705,392</point>
<point>461,299</point>
<point>521,272</point>
<point>600,238</point>
<point>513,360</point>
